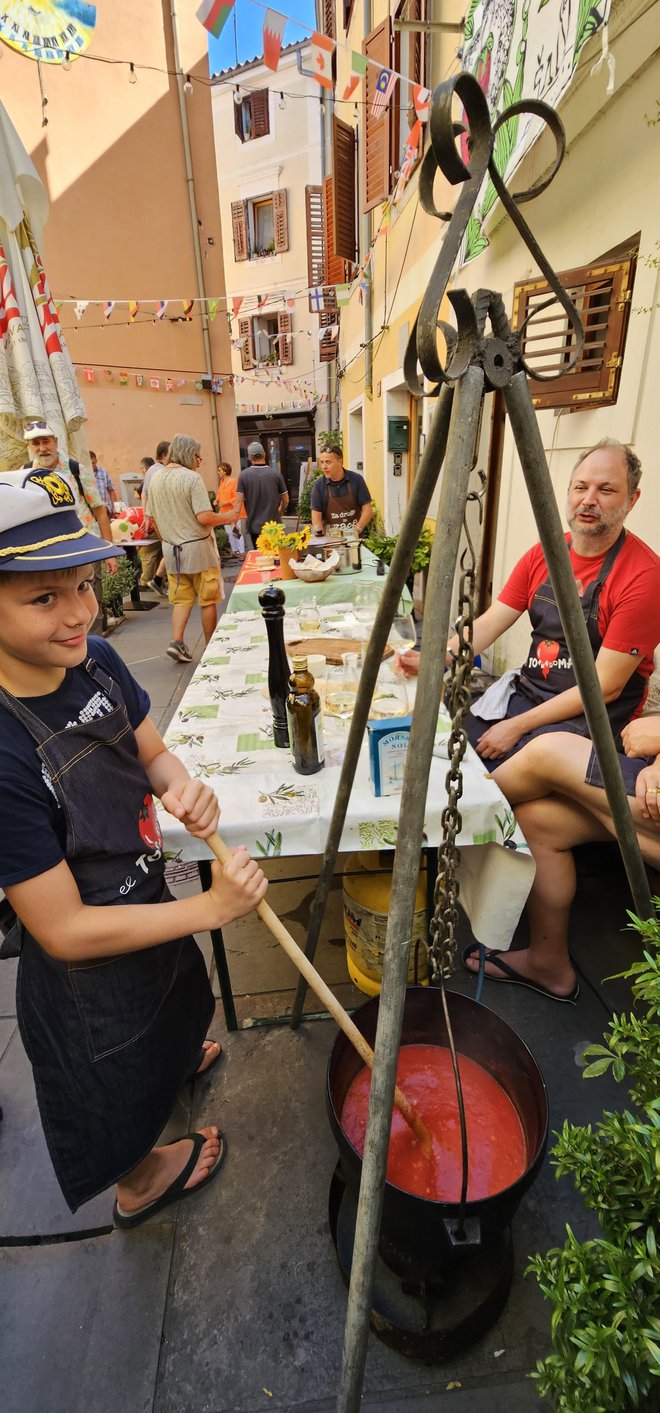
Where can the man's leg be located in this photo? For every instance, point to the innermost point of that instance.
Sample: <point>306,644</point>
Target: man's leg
<point>180,615</point>
<point>209,620</point>
<point>161,1167</point>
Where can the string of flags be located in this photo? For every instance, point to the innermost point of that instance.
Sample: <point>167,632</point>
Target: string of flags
<point>321,298</point>
<point>97,374</point>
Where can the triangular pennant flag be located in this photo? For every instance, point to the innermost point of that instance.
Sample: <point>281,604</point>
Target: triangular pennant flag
<point>343,294</point>
<point>212,305</point>
<point>236,304</point>
<point>108,306</point>
<point>385,85</point>
<point>213,14</point>
<point>188,306</point>
<point>421,101</point>
<point>133,309</point>
<point>161,307</point>
<point>273,30</point>
<point>81,305</point>
<point>358,70</point>
<point>322,51</point>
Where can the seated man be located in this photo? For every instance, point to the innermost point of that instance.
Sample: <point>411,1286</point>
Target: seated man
<point>618,579</point>
<point>339,497</point>
<point>555,786</point>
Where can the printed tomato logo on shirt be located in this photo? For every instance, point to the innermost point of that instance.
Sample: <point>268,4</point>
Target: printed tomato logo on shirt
<point>148,824</point>
<point>548,652</point>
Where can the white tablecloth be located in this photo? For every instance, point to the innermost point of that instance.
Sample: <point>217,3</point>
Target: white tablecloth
<point>222,731</point>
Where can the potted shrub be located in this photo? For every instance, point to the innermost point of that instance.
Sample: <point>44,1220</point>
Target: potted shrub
<point>383,546</point>
<point>605,1293</point>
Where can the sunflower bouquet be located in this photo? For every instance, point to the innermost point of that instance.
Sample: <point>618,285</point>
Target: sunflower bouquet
<point>274,537</point>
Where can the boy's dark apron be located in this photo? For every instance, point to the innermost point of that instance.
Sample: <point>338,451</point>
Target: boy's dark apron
<point>110,1041</point>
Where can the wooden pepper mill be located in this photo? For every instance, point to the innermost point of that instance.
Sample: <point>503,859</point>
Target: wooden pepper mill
<point>272,600</point>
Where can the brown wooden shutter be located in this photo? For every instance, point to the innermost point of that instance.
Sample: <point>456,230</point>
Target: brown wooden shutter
<point>329,343</point>
<point>329,26</point>
<point>315,237</point>
<point>334,265</point>
<point>260,112</point>
<point>343,189</point>
<point>238,120</point>
<point>239,228</point>
<point>247,346</point>
<point>601,294</point>
<point>285,345</point>
<point>377,131</point>
<point>280,221</point>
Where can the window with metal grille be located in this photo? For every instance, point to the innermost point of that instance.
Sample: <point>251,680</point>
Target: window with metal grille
<point>601,294</point>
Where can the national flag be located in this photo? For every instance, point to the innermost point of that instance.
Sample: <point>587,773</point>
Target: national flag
<point>161,307</point>
<point>409,158</point>
<point>108,306</point>
<point>155,384</point>
<point>133,309</point>
<point>169,384</point>
<point>385,85</point>
<point>343,294</point>
<point>236,304</point>
<point>317,299</point>
<point>212,305</point>
<point>274,24</point>
<point>139,380</point>
<point>188,306</point>
<point>358,70</point>
<point>213,14</point>
<point>262,300</point>
<point>421,101</point>
<point>81,305</point>
<point>88,375</point>
<point>322,51</point>
<point>123,378</point>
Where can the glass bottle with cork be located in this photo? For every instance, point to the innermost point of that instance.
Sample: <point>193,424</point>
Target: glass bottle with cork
<point>303,710</point>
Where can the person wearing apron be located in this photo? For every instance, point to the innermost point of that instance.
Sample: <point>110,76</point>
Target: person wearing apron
<point>113,1018</point>
<point>339,498</point>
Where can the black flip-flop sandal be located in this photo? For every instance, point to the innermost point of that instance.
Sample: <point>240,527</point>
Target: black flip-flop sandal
<point>177,1189</point>
<point>513,978</point>
<point>197,1073</point>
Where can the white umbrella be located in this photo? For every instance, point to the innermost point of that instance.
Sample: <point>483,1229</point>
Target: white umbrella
<point>37,378</point>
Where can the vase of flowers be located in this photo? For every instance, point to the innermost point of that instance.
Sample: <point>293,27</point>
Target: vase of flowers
<point>286,545</point>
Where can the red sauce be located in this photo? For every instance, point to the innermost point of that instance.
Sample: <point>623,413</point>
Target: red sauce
<point>496,1143</point>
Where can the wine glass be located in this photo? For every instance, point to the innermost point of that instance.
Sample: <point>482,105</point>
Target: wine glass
<point>365,604</point>
<point>390,696</point>
<point>309,616</point>
<point>341,687</point>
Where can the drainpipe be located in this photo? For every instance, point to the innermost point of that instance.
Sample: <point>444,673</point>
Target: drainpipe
<point>194,222</point>
<point>366,241</point>
<point>309,73</point>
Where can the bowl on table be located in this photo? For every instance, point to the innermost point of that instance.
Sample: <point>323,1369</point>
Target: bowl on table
<point>314,571</point>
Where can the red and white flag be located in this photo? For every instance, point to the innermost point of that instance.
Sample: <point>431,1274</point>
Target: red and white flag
<point>421,102</point>
<point>236,304</point>
<point>322,52</point>
<point>273,30</point>
<point>385,85</point>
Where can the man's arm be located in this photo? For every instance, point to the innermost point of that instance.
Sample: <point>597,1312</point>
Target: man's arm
<point>366,515</point>
<point>215,517</point>
<point>488,627</point>
<point>317,504</point>
<point>284,501</point>
<point>317,520</point>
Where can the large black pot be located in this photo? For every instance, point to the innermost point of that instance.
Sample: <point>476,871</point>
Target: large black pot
<point>418,1236</point>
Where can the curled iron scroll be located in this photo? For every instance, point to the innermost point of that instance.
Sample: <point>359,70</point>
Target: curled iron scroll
<point>462,343</point>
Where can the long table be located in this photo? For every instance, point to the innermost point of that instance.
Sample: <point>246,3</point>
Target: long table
<point>338,588</point>
<point>222,731</point>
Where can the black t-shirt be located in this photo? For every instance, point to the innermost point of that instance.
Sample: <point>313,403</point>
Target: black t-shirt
<point>352,481</point>
<point>261,488</point>
<point>32,826</point>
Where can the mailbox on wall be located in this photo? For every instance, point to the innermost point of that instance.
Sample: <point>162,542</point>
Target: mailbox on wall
<point>398,433</point>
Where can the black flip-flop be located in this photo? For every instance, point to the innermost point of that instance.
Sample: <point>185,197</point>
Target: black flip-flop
<point>177,1189</point>
<point>513,978</point>
<point>197,1073</point>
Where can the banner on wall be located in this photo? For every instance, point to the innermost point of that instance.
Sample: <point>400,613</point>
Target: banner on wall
<point>50,31</point>
<point>521,49</point>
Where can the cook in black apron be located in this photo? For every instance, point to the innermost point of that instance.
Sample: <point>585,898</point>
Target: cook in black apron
<point>549,670</point>
<point>341,510</point>
<point>110,1041</point>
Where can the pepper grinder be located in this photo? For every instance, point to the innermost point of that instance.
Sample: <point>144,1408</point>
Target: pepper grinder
<point>272,602</point>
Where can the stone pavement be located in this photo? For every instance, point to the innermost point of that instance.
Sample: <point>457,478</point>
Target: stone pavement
<point>233,1302</point>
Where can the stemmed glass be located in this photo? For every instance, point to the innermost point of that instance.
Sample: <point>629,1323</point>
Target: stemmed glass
<point>390,696</point>
<point>341,687</point>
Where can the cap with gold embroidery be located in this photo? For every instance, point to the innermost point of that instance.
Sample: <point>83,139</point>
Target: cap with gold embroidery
<point>39,527</point>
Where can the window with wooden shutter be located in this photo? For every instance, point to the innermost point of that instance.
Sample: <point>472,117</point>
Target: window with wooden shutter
<point>347,12</point>
<point>343,189</point>
<point>330,342</point>
<point>252,115</point>
<point>377,143</point>
<point>334,265</point>
<point>284,343</point>
<point>315,237</point>
<point>601,294</point>
<point>281,222</point>
<point>239,228</point>
<point>329,25</point>
<point>245,335</point>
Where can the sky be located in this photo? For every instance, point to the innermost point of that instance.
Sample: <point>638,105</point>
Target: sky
<point>249,31</point>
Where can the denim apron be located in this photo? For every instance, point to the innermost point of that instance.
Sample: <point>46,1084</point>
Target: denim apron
<point>110,1041</point>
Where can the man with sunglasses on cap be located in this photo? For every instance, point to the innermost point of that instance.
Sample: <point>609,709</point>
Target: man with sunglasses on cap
<point>90,507</point>
<point>113,995</point>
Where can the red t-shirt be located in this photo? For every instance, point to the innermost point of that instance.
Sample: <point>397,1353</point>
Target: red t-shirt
<point>629,605</point>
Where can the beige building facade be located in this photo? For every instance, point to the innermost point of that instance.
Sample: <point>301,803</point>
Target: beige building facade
<point>113,160</point>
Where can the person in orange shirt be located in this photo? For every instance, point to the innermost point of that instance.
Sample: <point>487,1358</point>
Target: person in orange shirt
<point>225,497</point>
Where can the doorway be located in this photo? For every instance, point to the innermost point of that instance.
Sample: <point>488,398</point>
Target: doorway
<point>288,443</point>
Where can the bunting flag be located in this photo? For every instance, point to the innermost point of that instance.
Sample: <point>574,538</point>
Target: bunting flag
<point>236,304</point>
<point>88,375</point>
<point>212,305</point>
<point>262,300</point>
<point>108,307</point>
<point>322,51</point>
<point>161,307</point>
<point>139,380</point>
<point>188,305</point>
<point>213,14</point>
<point>342,294</point>
<point>410,155</point>
<point>81,305</point>
<point>358,70</point>
<point>133,310</point>
<point>385,85</point>
<point>273,30</point>
<point>421,102</point>
<point>386,217</point>
<point>169,384</point>
<point>123,378</point>
<point>155,384</point>
<point>318,299</point>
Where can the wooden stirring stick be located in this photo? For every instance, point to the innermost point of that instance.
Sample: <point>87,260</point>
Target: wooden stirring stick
<point>325,995</point>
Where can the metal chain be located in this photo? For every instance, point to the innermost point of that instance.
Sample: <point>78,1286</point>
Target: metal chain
<point>442,928</point>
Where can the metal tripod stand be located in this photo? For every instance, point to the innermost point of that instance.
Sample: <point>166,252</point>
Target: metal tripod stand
<point>483,354</point>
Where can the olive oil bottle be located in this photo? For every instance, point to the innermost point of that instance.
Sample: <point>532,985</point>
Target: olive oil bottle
<point>303,710</point>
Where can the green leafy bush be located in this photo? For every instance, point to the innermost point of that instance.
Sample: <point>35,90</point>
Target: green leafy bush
<point>605,1292</point>
<point>383,546</point>
<point>304,502</point>
<point>117,587</point>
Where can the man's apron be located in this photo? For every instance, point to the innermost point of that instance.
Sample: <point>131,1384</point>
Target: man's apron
<point>111,1041</point>
<point>341,510</point>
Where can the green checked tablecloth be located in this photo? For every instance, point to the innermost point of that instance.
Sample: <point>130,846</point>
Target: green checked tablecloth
<point>337,589</point>
<point>223,732</point>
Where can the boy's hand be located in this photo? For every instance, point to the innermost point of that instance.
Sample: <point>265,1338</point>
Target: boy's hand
<point>195,805</point>
<point>236,888</point>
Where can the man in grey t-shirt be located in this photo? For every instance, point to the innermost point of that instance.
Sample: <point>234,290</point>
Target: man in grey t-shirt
<point>261,493</point>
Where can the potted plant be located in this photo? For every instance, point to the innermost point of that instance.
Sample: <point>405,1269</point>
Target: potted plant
<point>286,544</point>
<point>605,1292</point>
<point>383,546</point>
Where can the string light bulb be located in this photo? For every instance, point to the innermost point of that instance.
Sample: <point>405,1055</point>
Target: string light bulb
<point>187,87</point>
<point>132,76</point>
<point>282,102</point>
<point>238,98</point>
<point>321,106</point>
<point>66,62</point>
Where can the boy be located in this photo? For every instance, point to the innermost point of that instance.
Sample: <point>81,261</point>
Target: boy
<point>113,999</point>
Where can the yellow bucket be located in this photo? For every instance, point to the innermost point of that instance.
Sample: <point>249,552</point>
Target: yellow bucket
<point>366,895</point>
